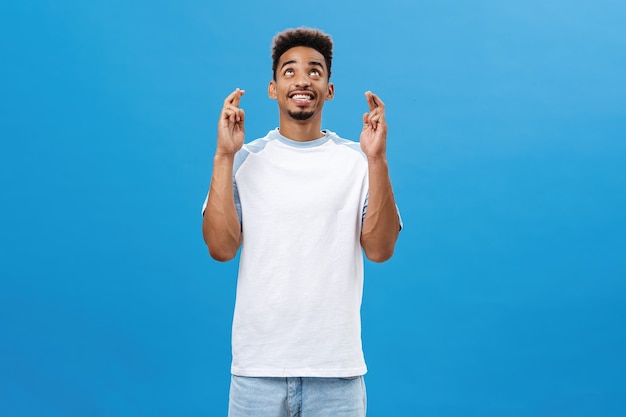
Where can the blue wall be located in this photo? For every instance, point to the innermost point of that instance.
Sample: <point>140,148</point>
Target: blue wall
<point>506,295</point>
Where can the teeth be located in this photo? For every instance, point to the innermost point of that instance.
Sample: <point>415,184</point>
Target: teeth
<point>301,97</point>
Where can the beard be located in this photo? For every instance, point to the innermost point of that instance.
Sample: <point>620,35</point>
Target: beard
<point>301,115</point>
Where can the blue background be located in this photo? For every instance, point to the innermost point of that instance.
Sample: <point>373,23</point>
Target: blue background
<point>507,150</point>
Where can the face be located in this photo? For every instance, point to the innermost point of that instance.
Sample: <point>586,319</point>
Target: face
<point>301,84</point>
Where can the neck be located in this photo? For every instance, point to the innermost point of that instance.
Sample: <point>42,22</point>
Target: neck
<point>301,130</point>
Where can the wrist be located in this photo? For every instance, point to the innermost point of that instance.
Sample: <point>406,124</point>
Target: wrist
<point>377,159</point>
<point>223,156</point>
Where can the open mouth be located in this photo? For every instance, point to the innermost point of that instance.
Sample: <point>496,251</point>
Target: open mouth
<point>302,97</point>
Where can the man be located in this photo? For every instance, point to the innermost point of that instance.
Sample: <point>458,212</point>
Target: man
<point>303,204</point>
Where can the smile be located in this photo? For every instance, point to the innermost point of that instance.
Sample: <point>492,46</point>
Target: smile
<point>302,96</point>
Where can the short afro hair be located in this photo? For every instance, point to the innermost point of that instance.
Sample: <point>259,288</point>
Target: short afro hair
<point>302,36</point>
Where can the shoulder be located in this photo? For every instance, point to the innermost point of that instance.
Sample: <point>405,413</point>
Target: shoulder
<point>347,144</point>
<point>254,147</point>
<point>259,144</point>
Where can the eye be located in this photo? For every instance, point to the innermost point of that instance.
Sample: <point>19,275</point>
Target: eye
<point>315,73</point>
<point>289,72</point>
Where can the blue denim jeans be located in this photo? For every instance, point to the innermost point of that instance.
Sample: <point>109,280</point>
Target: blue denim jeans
<point>297,397</point>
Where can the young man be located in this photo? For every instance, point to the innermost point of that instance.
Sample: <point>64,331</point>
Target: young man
<point>303,204</point>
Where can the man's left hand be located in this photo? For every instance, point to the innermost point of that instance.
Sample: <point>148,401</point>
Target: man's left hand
<point>374,133</point>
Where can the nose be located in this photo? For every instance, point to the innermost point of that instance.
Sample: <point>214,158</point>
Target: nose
<point>303,81</point>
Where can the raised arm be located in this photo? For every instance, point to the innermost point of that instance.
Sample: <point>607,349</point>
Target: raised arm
<point>381,224</point>
<point>220,225</point>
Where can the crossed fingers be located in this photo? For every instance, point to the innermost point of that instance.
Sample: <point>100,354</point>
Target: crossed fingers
<point>231,108</point>
<point>377,109</point>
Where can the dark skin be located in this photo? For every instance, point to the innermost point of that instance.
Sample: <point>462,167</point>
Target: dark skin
<point>301,87</point>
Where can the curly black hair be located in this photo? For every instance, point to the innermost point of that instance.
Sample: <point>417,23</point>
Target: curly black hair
<point>302,36</point>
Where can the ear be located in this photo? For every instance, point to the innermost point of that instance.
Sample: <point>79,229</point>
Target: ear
<point>271,90</point>
<point>330,93</point>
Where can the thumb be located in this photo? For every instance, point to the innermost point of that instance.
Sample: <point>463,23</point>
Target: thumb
<point>366,120</point>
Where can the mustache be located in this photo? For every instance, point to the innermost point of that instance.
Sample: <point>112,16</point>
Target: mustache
<point>302,90</point>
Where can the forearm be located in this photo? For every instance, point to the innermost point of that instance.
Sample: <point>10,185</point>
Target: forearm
<point>381,224</point>
<point>220,227</point>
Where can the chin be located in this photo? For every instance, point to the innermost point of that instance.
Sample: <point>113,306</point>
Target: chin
<point>301,115</point>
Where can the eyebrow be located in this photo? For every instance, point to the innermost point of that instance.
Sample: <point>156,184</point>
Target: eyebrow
<point>312,63</point>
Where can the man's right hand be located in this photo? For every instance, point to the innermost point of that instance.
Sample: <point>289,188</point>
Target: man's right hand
<point>230,131</point>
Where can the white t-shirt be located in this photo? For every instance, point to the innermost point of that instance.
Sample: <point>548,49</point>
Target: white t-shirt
<point>299,291</point>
